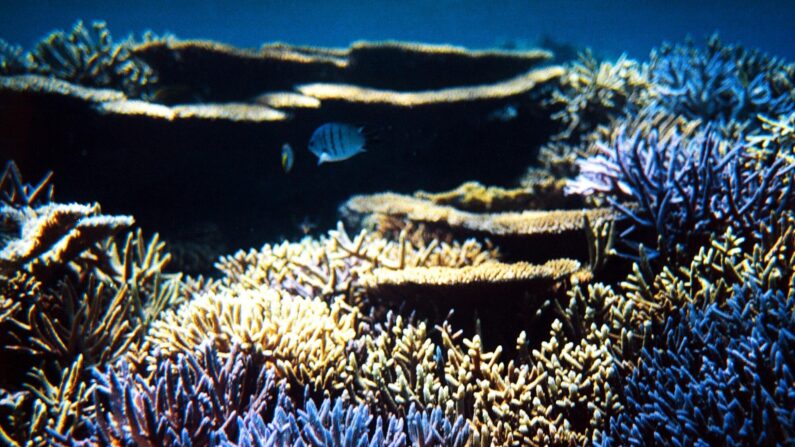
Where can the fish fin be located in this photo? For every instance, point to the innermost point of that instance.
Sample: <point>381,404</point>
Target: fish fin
<point>322,159</point>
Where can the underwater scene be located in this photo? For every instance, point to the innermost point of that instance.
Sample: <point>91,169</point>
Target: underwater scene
<point>449,223</point>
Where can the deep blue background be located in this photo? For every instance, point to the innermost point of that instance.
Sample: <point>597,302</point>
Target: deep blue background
<point>609,27</point>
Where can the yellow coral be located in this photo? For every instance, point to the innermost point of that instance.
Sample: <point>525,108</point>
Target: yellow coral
<point>498,224</point>
<point>304,339</point>
<point>491,272</point>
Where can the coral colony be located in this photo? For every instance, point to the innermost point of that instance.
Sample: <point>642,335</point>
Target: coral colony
<point>475,317</point>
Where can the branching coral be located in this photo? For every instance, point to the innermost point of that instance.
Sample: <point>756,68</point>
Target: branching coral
<point>12,60</point>
<point>557,395</point>
<point>87,56</point>
<point>59,406</point>
<point>721,83</point>
<point>725,290</point>
<point>593,93</point>
<point>775,139</point>
<point>335,426</point>
<point>718,376</point>
<point>192,401</point>
<point>202,400</point>
<point>70,300</point>
<point>683,189</point>
<point>303,338</point>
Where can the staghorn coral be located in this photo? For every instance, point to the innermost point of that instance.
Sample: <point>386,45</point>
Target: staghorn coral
<point>47,409</point>
<point>593,93</point>
<point>337,425</point>
<point>719,376</point>
<point>17,194</point>
<point>682,189</point>
<point>721,83</point>
<point>87,56</point>
<point>72,299</point>
<point>344,425</point>
<point>558,395</point>
<point>627,322</point>
<point>775,139</point>
<point>12,60</point>
<point>561,157</point>
<point>192,401</point>
<point>200,399</point>
<point>396,366</point>
<point>59,406</point>
<point>302,338</point>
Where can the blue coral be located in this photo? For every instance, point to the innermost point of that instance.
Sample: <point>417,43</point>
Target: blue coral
<point>201,400</point>
<point>193,401</point>
<point>720,84</point>
<point>721,375</point>
<point>675,191</point>
<point>332,424</point>
<point>336,424</point>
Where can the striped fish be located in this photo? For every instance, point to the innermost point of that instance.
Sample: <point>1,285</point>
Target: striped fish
<point>336,142</point>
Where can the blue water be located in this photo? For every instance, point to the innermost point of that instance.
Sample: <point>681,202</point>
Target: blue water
<point>608,27</point>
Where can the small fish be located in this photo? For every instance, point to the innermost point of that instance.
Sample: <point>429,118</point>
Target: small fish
<point>336,142</point>
<point>503,114</point>
<point>288,157</point>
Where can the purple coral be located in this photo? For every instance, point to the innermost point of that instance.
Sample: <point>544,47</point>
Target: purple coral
<point>193,401</point>
<point>677,190</point>
<point>720,83</point>
<point>717,376</point>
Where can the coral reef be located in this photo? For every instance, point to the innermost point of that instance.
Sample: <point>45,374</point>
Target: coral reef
<point>12,60</point>
<point>73,298</point>
<point>534,193</point>
<point>479,316</point>
<point>526,223</point>
<point>683,189</point>
<point>303,339</point>
<point>204,400</point>
<point>721,83</point>
<point>87,56</point>
<point>529,235</point>
<point>150,72</point>
<point>593,93</point>
<point>252,98</point>
<point>700,385</point>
